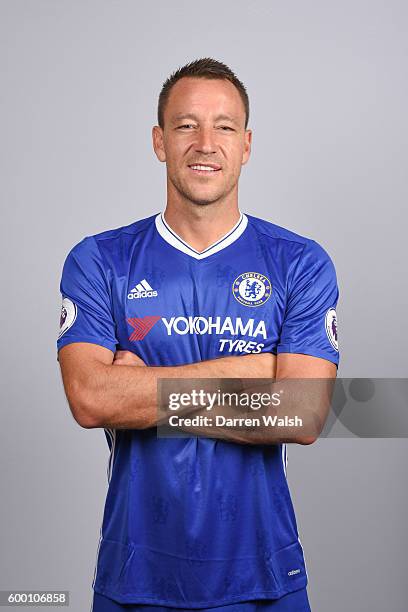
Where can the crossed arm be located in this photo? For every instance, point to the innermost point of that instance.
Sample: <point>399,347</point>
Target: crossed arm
<point>118,391</point>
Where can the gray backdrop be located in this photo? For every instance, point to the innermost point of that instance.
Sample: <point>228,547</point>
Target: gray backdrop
<point>327,86</point>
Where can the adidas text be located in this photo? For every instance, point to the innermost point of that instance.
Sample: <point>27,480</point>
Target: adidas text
<point>141,294</point>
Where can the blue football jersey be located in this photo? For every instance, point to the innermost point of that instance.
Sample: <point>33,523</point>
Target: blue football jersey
<point>196,521</point>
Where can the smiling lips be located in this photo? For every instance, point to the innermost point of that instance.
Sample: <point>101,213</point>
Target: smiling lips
<point>205,168</point>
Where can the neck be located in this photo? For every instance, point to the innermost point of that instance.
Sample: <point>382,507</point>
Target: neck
<point>200,226</point>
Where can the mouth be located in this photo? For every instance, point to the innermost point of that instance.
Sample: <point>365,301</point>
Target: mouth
<point>205,169</point>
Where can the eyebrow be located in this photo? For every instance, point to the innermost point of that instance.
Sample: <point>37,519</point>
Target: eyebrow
<point>192,116</point>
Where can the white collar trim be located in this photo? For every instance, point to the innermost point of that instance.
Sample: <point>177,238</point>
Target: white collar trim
<point>172,238</point>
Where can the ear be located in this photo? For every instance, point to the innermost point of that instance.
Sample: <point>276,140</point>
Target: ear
<point>158,145</point>
<point>247,146</point>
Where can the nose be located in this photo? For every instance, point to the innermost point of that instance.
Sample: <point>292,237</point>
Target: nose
<point>205,142</point>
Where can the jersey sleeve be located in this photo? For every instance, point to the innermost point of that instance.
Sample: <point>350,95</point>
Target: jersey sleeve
<point>310,322</point>
<point>86,311</point>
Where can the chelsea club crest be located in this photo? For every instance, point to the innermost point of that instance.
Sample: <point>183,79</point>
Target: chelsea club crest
<point>252,289</point>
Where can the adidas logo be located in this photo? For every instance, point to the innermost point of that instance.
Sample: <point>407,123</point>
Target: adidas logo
<point>142,290</point>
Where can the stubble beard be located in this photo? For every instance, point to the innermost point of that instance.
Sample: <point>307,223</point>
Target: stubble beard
<point>192,196</point>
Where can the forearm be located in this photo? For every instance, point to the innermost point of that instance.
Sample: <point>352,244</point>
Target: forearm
<point>125,397</point>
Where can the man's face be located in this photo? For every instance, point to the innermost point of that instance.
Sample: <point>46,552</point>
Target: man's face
<point>204,124</point>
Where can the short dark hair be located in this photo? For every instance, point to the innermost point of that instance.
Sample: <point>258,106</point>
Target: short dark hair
<point>204,68</point>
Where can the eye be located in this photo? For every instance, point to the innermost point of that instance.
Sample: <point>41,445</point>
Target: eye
<point>226,127</point>
<point>186,125</point>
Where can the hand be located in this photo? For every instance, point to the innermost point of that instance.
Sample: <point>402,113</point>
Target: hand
<point>127,358</point>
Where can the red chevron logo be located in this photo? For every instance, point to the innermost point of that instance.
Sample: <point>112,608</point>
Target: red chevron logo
<point>141,327</point>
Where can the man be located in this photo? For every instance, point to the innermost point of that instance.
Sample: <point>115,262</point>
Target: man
<point>201,290</point>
